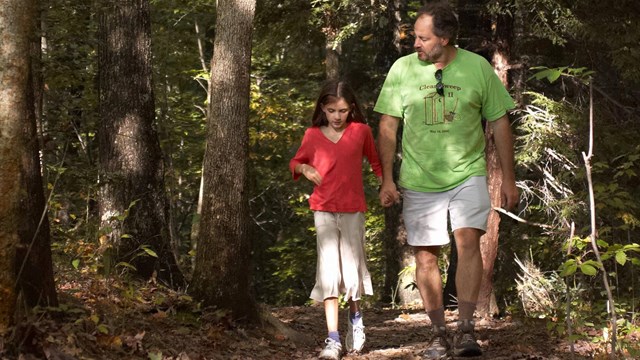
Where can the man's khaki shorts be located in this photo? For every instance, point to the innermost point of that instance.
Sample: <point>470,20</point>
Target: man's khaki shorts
<point>425,213</point>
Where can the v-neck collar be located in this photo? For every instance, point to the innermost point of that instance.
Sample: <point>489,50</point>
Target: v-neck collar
<point>339,138</point>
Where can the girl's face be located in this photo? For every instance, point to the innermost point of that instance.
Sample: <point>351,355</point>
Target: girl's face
<point>337,113</point>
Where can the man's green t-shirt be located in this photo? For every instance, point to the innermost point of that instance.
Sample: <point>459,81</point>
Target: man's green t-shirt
<point>442,141</point>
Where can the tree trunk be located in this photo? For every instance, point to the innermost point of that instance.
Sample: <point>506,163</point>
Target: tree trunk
<point>34,264</point>
<point>472,35</point>
<point>332,60</point>
<point>487,305</point>
<point>399,255</point>
<point>389,43</point>
<point>332,47</point>
<point>132,204</point>
<point>398,288</point>
<point>475,34</point>
<point>16,27</point>
<point>223,261</point>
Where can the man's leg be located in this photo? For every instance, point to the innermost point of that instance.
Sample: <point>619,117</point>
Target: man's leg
<point>469,270</point>
<point>429,282</point>
<point>430,286</point>
<point>468,278</point>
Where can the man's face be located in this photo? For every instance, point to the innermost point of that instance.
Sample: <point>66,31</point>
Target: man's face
<point>428,46</point>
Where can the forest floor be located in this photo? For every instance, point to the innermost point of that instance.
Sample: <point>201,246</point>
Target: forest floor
<point>108,319</point>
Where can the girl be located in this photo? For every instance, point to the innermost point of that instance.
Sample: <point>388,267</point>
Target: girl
<point>331,157</point>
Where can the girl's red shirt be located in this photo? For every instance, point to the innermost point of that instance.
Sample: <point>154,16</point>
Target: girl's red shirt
<point>340,165</point>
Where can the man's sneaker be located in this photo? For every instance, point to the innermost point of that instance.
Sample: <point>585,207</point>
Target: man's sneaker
<point>439,346</point>
<point>355,335</point>
<point>466,344</point>
<point>331,351</point>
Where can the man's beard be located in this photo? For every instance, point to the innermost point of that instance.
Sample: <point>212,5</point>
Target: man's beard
<point>433,55</point>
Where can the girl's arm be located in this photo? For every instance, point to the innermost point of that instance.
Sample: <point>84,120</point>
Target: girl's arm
<point>299,165</point>
<point>309,172</point>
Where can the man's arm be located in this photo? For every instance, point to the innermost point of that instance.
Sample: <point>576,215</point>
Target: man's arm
<point>504,147</point>
<point>387,148</point>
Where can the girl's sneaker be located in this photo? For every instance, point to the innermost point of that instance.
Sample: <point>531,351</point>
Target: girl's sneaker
<point>331,351</point>
<point>355,335</point>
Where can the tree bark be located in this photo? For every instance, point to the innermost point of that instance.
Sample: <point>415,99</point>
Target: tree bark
<point>486,305</point>
<point>476,35</point>
<point>332,60</point>
<point>500,49</point>
<point>223,261</point>
<point>330,28</point>
<point>16,27</point>
<point>398,255</point>
<point>34,263</point>
<point>132,204</point>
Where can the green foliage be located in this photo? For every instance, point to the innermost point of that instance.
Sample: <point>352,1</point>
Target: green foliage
<point>180,80</point>
<point>283,244</point>
<point>551,75</point>
<point>552,138</point>
<point>561,46</point>
<point>286,48</point>
<point>548,148</point>
<point>69,122</point>
<point>546,19</point>
<point>612,35</point>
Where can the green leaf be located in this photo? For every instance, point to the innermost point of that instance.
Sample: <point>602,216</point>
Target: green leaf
<point>149,251</point>
<point>588,269</point>
<point>553,75</point>
<point>621,257</point>
<point>594,263</point>
<point>75,263</point>
<point>569,268</point>
<point>542,74</point>
<point>103,329</point>
<point>155,355</point>
<point>126,264</point>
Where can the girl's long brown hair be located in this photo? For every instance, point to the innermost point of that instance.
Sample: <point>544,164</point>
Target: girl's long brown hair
<point>332,91</point>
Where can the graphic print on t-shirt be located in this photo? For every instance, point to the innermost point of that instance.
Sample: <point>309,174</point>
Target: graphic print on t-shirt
<point>440,109</point>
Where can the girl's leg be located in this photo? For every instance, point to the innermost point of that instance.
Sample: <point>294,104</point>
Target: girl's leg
<point>333,346</point>
<point>355,327</point>
<point>355,276</point>
<point>354,306</point>
<point>331,314</point>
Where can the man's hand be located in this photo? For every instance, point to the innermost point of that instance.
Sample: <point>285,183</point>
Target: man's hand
<point>504,147</point>
<point>388,194</point>
<point>510,195</point>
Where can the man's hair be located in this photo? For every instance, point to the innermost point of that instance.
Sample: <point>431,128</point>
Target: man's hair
<point>445,20</point>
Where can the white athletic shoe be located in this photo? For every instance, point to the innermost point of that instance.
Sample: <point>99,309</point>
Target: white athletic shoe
<point>355,336</point>
<point>331,351</point>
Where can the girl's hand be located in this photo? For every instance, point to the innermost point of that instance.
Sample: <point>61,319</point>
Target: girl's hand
<point>311,173</point>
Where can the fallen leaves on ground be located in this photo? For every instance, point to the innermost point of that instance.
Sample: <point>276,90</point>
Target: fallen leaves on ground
<point>109,319</point>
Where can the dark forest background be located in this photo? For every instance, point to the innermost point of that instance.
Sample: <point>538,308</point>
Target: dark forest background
<point>146,71</point>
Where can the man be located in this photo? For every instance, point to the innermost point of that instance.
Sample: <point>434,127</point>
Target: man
<point>442,93</point>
